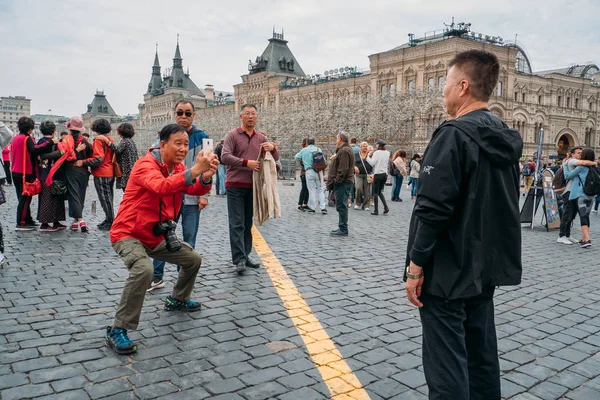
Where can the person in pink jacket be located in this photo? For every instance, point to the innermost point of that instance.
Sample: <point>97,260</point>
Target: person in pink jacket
<point>6,161</point>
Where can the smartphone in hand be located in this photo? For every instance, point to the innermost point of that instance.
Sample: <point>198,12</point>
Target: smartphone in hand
<point>207,145</point>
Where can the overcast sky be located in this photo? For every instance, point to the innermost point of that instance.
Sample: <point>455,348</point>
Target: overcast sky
<point>58,52</point>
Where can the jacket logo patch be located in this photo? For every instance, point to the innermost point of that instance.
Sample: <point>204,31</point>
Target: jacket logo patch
<point>427,169</point>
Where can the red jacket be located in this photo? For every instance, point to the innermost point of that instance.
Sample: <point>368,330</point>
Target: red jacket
<point>149,183</point>
<point>103,151</point>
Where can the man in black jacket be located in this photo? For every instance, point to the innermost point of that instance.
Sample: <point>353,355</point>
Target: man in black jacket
<point>465,235</point>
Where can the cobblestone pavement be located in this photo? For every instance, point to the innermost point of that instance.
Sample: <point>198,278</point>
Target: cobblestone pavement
<point>59,291</point>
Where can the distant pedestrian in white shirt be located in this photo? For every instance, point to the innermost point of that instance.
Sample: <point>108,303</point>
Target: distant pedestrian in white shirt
<point>379,160</point>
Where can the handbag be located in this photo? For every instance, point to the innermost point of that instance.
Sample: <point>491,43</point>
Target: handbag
<point>117,170</point>
<point>58,188</point>
<point>369,176</point>
<point>29,188</point>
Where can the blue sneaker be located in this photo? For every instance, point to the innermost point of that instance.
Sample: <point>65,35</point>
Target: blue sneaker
<point>117,339</point>
<point>172,304</point>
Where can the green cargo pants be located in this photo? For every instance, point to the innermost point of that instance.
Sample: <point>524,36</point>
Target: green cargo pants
<point>136,257</point>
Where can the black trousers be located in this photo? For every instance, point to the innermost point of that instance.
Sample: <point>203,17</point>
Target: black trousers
<point>8,173</point>
<point>569,213</point>
<point>24,206</point>
<point>77,184</point>
<point>378,185</point>
<point>303,199</point>
<point>460,348</point>
<point>241,212</point>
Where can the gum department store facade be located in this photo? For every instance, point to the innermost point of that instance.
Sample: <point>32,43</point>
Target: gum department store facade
<point>564,102</point>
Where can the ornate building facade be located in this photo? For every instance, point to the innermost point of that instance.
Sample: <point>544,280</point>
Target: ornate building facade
<point>98,108</point>
<point>12,108</point>
<point>165,90</point>
<point>563,102</point>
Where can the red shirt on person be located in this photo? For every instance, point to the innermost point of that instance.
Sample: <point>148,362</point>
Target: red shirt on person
<point>149,184</point>
<point>105,169</point>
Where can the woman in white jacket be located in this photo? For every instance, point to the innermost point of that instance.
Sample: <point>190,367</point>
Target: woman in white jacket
<point>379,160</point>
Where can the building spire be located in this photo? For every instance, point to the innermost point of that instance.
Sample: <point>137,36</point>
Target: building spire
<point>156,63</point>
<point>177,52</point>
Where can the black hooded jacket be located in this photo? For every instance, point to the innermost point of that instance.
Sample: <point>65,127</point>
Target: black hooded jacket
<point>465,229</point>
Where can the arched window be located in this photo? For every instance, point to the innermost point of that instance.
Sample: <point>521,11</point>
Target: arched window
<point>411,86</point>
<point>441,82</point>
<point>431,83</point>
<point>499,89</point>
<point>383,91</point>
<point>392,89</point>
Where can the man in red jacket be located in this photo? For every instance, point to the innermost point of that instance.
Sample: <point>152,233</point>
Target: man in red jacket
<point>144,228</point>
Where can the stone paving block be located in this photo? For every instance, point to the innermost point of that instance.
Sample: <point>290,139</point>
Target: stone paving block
<point>12,380</point>
<point>70,395</point>
<point>261,376</point>
<point>53,374</point>
<point>589,368</point>
<point>33,364</point>
<point>549,390</point>
<point>235,369</point>
<point>80,356</point>
<point>149,378</point>
<point>155,390</point>
<point>109,373</point>
<point>583,393</point>
<point>510,389</point>
<point>386,388</point>
<point>26,392</point>
<point>69,384</point>
<point>105,389</point>
<point>412,378</point>
<point>304,394</point>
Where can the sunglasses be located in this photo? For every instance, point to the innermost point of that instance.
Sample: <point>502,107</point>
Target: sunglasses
<point>187,113</point>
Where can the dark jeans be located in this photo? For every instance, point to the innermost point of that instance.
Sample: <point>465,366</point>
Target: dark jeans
<point>342,191</point>
<point>303,199</point>
<point>77,184</point>
<point>240,210</point>
<point>595,205</point>
<point>378,184</point>
<point>24,206</point>
<point>568,216</point>
<point>460,348</point>
<point>396,193</point>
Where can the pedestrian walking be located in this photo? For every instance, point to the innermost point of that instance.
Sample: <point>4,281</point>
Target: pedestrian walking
<point>380,161</point>
<point>241,150</point>
<point>339,179</point>
<point>51,205</point>
<point>465,234</point>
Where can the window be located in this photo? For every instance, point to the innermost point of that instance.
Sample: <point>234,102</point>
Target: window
<point>516,96</point>
<point>392,89</point>
<point>591,106</point>
<point>383,91</point>
<point>411,86</point>
<point>539,99</point>
<point>523,97</point>
<point>499,89</point>
<point>576,103</point>
<point>559,101</point>
<point>568,102</point>
<point>441,83</point>
<point>431,83</point>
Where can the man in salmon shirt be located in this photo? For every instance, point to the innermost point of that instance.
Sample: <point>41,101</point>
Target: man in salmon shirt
<point>144,228</point>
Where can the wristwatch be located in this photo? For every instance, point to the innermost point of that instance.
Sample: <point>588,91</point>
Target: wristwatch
<point>413,276</point>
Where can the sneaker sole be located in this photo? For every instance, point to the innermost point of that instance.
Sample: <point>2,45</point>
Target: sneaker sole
<point>24,229</point>
<point>155,287</point>
<point>182,309</point>
<point>122,352</point>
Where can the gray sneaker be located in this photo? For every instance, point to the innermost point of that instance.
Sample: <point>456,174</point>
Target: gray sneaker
<point>240,267</point>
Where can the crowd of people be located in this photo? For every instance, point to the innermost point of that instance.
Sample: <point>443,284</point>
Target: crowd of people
<point>470,166</point>
<point>58,170</point>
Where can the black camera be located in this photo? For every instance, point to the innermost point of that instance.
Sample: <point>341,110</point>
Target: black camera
<point>167,229</point>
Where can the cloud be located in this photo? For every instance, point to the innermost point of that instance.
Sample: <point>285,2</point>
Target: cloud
<point>58,52</point>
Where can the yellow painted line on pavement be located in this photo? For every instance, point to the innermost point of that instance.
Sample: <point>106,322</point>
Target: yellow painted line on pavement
<point>334,370</point>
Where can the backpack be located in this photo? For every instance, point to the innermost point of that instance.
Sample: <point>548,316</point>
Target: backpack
<point>319,163</point>
<point>526,170</point>
<point>591,187</point>
<point>394,171</point>
<point>559,183</point>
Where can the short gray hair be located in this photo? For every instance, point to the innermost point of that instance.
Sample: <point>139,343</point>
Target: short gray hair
<point>343,136</point>
<point>364,143</point>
